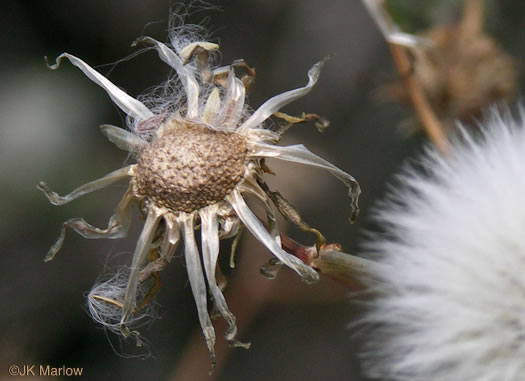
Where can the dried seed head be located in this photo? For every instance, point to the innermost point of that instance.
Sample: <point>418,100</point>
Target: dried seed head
<point>194,168</point>
<point>463,74</point>
<point>190,167</point>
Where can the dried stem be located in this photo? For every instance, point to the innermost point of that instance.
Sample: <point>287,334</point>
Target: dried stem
<point>472,20</point>
<point>108,300</point>
<point>417,97</point>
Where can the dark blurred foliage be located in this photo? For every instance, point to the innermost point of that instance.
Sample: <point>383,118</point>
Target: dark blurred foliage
<point>49,130</point>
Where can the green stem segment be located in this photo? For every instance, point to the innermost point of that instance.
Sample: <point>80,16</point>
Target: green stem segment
<point>344,268</point>
<point>349,270</point>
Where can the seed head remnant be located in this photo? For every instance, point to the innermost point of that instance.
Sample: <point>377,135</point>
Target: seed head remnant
<point>190,167</point>
<point>460,68</point>
<point>198,151</point>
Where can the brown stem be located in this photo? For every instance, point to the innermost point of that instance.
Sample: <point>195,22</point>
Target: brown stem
<point>247,295</point>
<point>472,19</point>
<point>428,119</point>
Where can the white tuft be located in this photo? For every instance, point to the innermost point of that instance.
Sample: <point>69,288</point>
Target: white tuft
<point>105,302</point>
<point>451,301</point>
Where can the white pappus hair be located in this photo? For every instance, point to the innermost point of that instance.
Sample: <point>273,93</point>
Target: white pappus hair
<point>450,303</point>
<point>106,298</point>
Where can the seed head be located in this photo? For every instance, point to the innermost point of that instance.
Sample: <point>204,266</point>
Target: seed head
<point>461,69</point>
<point>199,150</point>
<point>451,298</point>
<point>189,167</point>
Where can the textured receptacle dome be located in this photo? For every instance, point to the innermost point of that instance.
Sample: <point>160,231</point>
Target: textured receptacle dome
<point>190,167</point>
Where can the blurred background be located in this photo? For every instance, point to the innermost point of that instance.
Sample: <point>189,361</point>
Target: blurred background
<point>49,131</point>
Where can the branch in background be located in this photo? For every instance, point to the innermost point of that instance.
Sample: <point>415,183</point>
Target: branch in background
<point>472,22</point>
<point>247,295</point>
<point>399,42</point>
<point>422,108</point>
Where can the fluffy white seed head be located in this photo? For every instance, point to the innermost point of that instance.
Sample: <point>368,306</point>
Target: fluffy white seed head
<point>451,303</point>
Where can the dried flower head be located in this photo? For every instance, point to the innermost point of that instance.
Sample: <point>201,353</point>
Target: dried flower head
<point>465,70</point>
<point>461,69</point>
<point>451,297</point>
<point>198,151</point>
